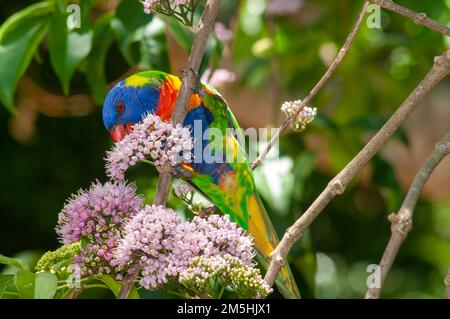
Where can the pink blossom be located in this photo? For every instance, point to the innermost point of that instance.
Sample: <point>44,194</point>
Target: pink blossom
<point>94,217</point>
<point>218,77</point>
<point>151,139</point>
<point>163,246</point>
<point>283,7</point>
<point>223,33</point>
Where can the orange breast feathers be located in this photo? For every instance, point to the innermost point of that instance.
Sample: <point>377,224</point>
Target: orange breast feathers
<point>168,98</point>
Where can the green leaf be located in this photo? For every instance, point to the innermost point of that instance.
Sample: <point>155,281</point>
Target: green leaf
<point>5,282</point>
<point>103,38</point>
<point>46,285</point>
<point>154,47</point>
<point>181,34</point>
<point>25,284</point>
<point>16,263</point>
<point>115,286</point>
<point>83,242</point>
<point>69,47</point>
<point>129,25</point>
<point>18,43</point>
<point>37,9</point>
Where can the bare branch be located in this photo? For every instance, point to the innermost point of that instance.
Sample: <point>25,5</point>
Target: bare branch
<point>401,223</point>
<point>74,293</point>
<point>447,285</point>
<point>418,18</point>
<point>162,189</point>
<point>189,83</point>
<point>316,88</point>
<point>190,78</point>
<point>439,70</point>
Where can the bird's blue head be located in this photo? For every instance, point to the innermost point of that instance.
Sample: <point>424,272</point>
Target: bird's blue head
<point>127,102</point>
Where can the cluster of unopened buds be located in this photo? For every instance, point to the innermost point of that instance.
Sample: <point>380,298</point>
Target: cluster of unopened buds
<point>150,5</point>
<point>245,280</point>
<point>182,10</point>
<point>303,118</point>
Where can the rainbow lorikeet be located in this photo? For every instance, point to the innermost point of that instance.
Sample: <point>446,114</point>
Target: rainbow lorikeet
<point>227,184</point>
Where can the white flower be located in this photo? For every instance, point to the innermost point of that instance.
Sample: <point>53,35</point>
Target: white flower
<point>306,116</point>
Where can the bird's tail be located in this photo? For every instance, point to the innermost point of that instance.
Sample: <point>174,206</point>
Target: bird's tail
<point>266,240</point>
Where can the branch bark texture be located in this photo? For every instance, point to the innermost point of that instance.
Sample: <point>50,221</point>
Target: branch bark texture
<point>401,223</point>
<point>447,285</point>
<point>439,70</point>
<point>418,18</point>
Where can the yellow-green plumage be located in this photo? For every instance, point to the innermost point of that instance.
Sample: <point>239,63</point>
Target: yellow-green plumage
<point>239,197</point>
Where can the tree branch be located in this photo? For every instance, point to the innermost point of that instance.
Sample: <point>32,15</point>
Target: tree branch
<point>401,223</point>
<point>338,59</point>
<point>447,285</point>
<point>439,70</point>
<point>74,293</point>
<point>189,84</point>
<point>418,18</point>
<point>190,78</point>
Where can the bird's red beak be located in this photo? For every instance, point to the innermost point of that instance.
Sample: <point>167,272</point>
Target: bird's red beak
<point>118,132</point>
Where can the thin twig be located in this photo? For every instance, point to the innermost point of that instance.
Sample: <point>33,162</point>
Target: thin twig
<point>447,285</point>
<point>418,18</point>
<point>439,70</point>
<point>74,293</point>
<point>189,83</point>
<point>316,88</point>
<point>401,223</point>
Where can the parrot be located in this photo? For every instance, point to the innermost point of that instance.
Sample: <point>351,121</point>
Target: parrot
<point>229,185</point>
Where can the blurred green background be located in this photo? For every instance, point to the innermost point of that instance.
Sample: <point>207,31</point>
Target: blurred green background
<point>52,140</point>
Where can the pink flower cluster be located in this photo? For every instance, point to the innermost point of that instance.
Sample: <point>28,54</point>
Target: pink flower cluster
<point>163,247</point>
<point>119,236</point>
<point>94,217</point>
<point>212,236</point>
<point>151,139</point>
<point>147,239</point>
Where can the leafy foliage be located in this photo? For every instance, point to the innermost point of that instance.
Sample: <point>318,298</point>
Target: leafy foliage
<point>19,38</point>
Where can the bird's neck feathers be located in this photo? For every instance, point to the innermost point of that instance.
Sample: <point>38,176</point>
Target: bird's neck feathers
<point>168,97</point>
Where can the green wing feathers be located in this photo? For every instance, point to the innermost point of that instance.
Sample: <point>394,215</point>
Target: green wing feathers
<point>238,197</point>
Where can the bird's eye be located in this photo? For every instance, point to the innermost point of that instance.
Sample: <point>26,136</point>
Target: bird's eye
<point>120,107</point>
